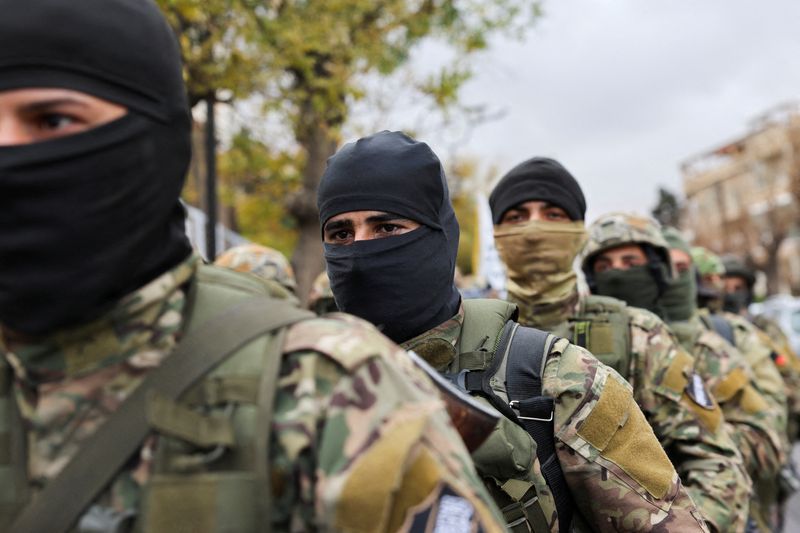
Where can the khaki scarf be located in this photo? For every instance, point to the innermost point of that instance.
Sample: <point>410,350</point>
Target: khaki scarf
<point>539,257</point>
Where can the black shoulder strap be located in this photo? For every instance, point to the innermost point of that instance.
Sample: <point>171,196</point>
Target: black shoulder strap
<point>527,353</point>
<point>64,498</point>
<point>721,326</point>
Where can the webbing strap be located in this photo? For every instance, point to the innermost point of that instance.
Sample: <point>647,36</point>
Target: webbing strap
<point>65,497</point>
<point>527,354</point>
<point>721,326</point>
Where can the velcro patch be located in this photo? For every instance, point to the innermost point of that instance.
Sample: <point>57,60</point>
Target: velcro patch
<point>366,501</point>
<point>735,381</point>
<point>619,430</point>
<point>676,375</point>
<point>752,401</point>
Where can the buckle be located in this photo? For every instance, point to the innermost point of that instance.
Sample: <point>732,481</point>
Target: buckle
<point>514,404</point>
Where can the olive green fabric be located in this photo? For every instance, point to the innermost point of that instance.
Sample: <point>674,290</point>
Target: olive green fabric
<point>679,300</point>
<point>635,286</point>
<point>603,328</point>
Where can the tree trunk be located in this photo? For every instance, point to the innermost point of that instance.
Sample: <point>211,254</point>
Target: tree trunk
<point>319,143</point>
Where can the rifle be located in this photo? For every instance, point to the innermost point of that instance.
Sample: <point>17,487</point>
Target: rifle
<point>473,420</point>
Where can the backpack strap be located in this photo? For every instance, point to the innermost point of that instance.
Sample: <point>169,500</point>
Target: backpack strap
<point>721,326</point>
<point>527,353</point>
<point>61,502</point>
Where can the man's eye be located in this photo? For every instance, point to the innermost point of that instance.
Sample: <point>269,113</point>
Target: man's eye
<point>388,228</point>
<point>56,121</point>
<point>513,218</point>
<point>556,215</point>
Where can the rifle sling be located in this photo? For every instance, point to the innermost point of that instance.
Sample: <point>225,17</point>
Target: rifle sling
<point>60,504</point>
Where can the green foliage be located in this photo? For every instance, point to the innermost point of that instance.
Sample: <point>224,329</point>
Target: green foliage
<point>255,181</point>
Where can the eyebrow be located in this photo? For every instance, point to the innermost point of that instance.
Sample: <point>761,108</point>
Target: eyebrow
<point>43,105</point>
<point>337,225</point>
<point>386,217</point>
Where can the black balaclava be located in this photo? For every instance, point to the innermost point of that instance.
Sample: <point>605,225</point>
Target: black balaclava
<point>88,218</point>
<point>735,302</point>
<point>541,179</point>
<point>638,286</point>
<point>402,284</point>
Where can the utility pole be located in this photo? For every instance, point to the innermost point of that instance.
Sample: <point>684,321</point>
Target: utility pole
<point>211,179</point>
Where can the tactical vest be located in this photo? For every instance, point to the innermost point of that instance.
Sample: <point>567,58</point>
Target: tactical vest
<point>207,471</point>
<point>602,326</point>
<point>502,362</point>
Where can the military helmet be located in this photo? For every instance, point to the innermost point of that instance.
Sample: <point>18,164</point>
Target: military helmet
<point>320,298</point>
<point>618,229</point>
<point>735,267</point>
<point>262,261</point>
<point>675,239</point>
<point>706,261</point>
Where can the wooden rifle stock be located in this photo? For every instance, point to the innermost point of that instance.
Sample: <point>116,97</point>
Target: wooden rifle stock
<point>473,420</point>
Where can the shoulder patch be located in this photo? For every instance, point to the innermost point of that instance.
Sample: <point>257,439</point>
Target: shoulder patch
<point>618,428</point>
<point>347,340</point>
<point>677,375</point>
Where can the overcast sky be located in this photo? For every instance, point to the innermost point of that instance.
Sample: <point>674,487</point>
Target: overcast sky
<point>621,91</point>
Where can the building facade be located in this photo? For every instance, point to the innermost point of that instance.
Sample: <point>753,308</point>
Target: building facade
<point>742,197</point>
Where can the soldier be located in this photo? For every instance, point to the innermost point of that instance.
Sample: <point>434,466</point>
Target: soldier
<point>739,280</point>
<point>593,464</point>
<point>759,352</point>
<point>727,373</point>
<point>142,389</point>
<point>538,210</point>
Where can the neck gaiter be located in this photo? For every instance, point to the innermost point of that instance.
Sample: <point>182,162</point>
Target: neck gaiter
<point>734,302</point>
<point>539,257</point>
<point>679,300</point>
<point>401,284</point>
<point>635,286</point>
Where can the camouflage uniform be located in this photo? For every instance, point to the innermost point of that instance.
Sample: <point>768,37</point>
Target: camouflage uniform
<point>262,261</point>
<point>788,364</point>
<point>320,298</point>
<point>625,483</point>
<point>758,351</point>
<point>729,376</point>
<point>656,354</point>
<point>360,440</point>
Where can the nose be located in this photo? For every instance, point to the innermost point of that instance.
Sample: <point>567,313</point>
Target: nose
<point>13,132</point>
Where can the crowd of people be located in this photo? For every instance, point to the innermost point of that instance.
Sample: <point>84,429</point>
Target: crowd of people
<point>142,389</point>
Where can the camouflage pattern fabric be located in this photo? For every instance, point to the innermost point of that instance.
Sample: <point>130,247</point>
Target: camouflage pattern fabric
<point>788,364</point>
<point>619,476</point>
<point>617,229</point>
<point>705,457</point>
<point>758,351</point>
<point>693,435</point>
<point>706,261</point>
<point>361,440</point>
<point>320,298</point>
<point>262,261</point>
<point>729,377</point>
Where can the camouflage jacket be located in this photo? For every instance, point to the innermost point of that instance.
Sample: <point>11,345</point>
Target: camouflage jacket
<point>758,351</point>
<point>788,364</point>
<point>693,435</point>
<point>729,377</point>
<point>360,440</point>
<point>620,478</point>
